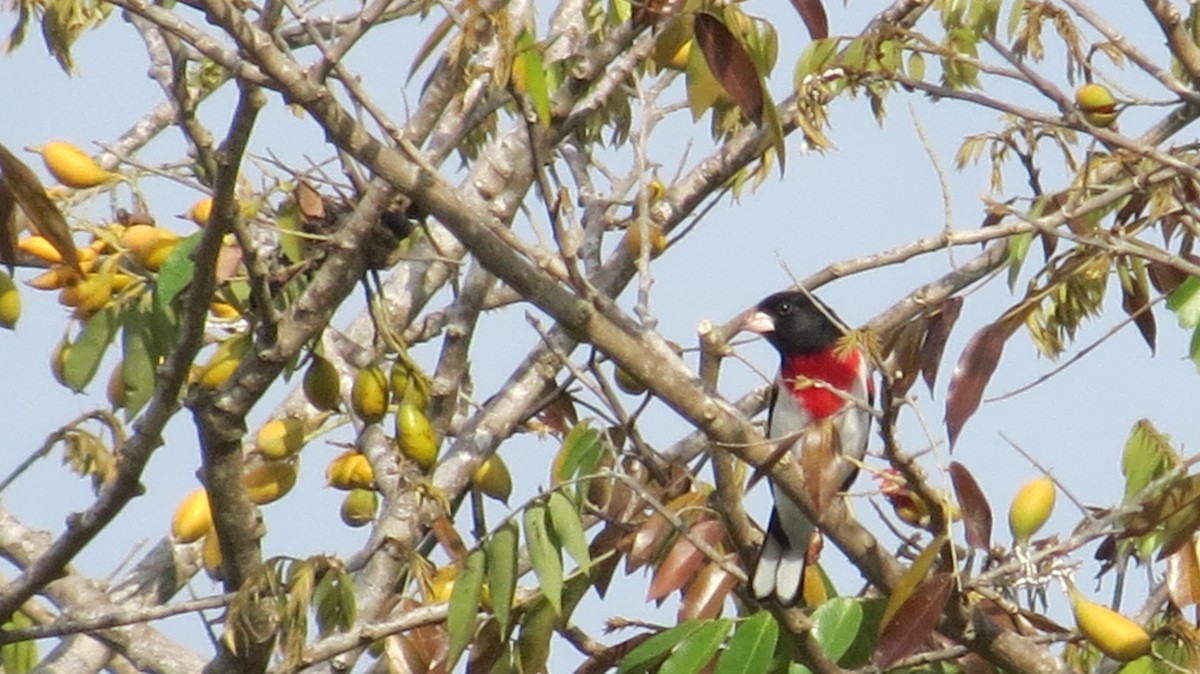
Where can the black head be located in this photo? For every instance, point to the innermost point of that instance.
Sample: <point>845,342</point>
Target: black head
<point>794,321</point>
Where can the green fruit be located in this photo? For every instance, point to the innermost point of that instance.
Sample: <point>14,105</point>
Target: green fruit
<point>322,385</point>
<point>359,506</point>
<point>415,436</point>
<point>1030,509</point>
<point>493,479</point>
<point>269,482</point>
<point>409,386</point>
<point>369,397</point>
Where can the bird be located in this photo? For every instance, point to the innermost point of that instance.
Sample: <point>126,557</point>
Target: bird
<point>820,377</point>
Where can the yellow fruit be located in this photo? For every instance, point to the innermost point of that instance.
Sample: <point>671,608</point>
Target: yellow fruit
<point>415,436</point>
<point>323,385</point>
<point>115,391</point>
<point>1110,632</point>
<point>150,245</point>
<point>58,363</point>
<point>73,167</point>
<point>633,239</point>
<point>223,310</point>
<point>369,396</point>
<point>210,554</point>
<point>359,506</point>
<point>224,361</point>
<point>10,302</point>
<point>121,281</point>
<point>200,211</point>
<point>280,438</point>
<point>1097,104</point>
<point>193,517</point>
<point>41,248</point>
<point>216,374</point>
<point>441,586</point>
<point>270,481</point>
<point>1030,509</point>
<point>89,295</point>
<point>56,277</point>
<point>493,479</point>
<point>349,471</point>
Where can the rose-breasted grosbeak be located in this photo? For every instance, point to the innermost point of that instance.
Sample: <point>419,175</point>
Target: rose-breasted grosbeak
<point>818,379</point>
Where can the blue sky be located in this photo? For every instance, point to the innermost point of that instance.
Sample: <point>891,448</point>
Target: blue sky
<point>876,190</point>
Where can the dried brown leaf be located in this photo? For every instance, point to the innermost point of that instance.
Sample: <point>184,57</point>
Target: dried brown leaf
<point>937,333</point>
<point>45,217</point>
<point>813,14</point>
<point>976,513</point>
<point>8,227</point>
<point>705,596</point>
<point>820,459</point>
<point>1135,300</point>
<point>731,65</point>
<point>916,619</point>
<point>975,368</point>
<point>903,357</point>
<point>1183,576</point>
<point>312,206</point>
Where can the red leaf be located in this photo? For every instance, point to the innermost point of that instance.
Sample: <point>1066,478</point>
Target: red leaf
<point>813,13</point>
<point>975,367</point>
<point>684,560</point>
<point>731,65</point>
<point>937,332</point>
<point>914,621</point>
<point>706,595</point>
<point>976,513</point>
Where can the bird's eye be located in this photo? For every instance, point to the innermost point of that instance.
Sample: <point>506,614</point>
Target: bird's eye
<point>785,308</point>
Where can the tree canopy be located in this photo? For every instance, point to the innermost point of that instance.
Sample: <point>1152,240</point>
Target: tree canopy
<point>531,170</point>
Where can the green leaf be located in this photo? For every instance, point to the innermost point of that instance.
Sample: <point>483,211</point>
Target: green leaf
<point>501,551</point>
<point>1194,347</point>
<point>751,646</point>
<point>333,597</point>
<point>1018,248</point>
<point>564,517</point>
<point>836,623</point>
<point>288,221</point>
<point>533,644</point>
<point>1185,302</point>
<point>863,648</point>
<point>529,76</point>
<point>464,606</point>
<point>1147,456</point>
<point>816,58</point>
<point>544,555</point>
<point>84,356</point>
<point>138,362</point>
<point>176,273</point>
<point>580,444</point>
<point>650,651</point>
<point>698,649</point>
<point>21,656</point>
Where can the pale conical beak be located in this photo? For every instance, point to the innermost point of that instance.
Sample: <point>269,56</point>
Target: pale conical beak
<point>760,322</point>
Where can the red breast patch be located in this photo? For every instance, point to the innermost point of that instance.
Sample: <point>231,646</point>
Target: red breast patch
<point>802,371</point>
